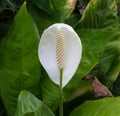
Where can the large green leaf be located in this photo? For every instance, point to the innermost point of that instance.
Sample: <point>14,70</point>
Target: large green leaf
<point>94,43</point>
<point>61,9</point>
<point>103,107</point>
<point>29,105</point>
<point>19,64</point>
<point>50,92</point>
<point>112,53</point>
<point>110,61</point>
<point>100,14</point>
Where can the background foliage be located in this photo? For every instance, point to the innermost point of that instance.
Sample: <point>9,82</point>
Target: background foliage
<point>21,25</point>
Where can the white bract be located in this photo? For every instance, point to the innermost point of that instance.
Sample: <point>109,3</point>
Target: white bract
<point>60,48</point>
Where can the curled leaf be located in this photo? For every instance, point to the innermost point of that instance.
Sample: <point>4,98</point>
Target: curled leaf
<point>99,89</point>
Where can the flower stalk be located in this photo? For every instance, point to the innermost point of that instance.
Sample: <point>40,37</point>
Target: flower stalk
<point>61,94</point>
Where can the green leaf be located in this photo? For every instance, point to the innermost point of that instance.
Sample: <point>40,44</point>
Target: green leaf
<point>59,8</point>
<point>29,105</point>
<point>103,107</point>
<point>19,64</point>
<point>63,8</point>
<point>110,61</point>
<point>50,92</point>
<point>100,14</point>
<point>113,55</point>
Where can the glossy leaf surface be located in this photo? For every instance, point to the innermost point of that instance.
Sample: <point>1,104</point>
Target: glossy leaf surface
<point>100,14</point>
<point>110,61</point>
<point>103,107</point>
<point>29,105</point>
<point>19,64</point>
<point>60,9</point>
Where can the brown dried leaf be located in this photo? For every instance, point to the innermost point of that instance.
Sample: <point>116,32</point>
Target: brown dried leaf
<point>99,89</point>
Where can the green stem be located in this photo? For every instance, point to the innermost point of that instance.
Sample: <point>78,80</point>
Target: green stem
<point>61,94</point>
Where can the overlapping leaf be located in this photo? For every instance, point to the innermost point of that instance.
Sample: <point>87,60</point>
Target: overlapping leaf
<point>19,64</point>
<point>29,105</point>
<point>110,61</point>
<point>60,9</point>
<point>103,107</point>
<point>100,14</point>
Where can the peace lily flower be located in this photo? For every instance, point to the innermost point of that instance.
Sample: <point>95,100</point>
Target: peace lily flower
<point>60,48</point>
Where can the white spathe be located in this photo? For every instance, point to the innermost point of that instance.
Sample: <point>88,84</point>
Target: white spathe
<point>72,52</point>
